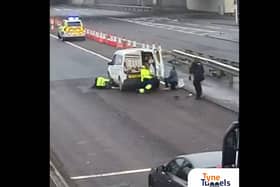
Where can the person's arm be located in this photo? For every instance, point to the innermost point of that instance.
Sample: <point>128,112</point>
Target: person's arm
<point>176,76</point>
<point>191,68</point>
<point>202,69</point>
<point>191,71</point>
<point>170,74</point>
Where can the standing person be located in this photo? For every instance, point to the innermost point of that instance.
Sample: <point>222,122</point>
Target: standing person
<point>198,73</point>
<point>172,79</point>
<point>148,60</point>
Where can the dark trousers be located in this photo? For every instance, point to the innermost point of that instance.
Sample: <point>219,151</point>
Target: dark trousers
<point>173,84</point>
<point>146,82</point>
<point>198,88</point>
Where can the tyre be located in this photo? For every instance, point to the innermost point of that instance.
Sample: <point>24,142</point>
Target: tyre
<point>157,84</point>
<point>150,181</point>
<point>111,80</point>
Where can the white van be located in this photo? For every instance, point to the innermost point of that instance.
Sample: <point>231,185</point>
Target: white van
<point>124,69</point>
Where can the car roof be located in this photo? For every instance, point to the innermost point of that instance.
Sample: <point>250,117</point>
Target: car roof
<point>77,20</point>
<point>132,50</point>
<point>204,159</point>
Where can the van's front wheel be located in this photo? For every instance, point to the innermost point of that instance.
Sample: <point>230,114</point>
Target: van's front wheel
<point>111,79</point>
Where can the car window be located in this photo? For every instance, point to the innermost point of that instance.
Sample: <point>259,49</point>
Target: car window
<point>184,170</point>
<point>174,166</point>
<point>118,60</point>
<point>76,23</point>
<point>114,59</point>
<point>183,173</point>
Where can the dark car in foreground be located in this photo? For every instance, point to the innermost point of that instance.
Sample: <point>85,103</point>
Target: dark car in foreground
<point>175,173</point>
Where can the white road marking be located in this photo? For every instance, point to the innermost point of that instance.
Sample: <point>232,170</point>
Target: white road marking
<point>54,179</point>
<point>58,175</point>
<point>187,28</point>
<point>111,174</point>
<point>82,142</point>
<point>160,25</point>
<point>86,50</point>
<point>182,29</point>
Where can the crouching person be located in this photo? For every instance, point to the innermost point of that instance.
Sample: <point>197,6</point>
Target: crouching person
<point>172,79</point>
<point>101,83</point>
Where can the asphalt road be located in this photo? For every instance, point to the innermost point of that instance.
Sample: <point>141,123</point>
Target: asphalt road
<point>191,33</point>
<point>100,131</point>
<point>168,37</point>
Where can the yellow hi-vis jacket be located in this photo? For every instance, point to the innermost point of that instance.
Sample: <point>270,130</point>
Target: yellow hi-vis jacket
<point>101,81</point>
<point>145,74</point>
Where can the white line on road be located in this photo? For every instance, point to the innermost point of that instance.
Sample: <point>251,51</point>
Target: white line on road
<point>111,174</point>
<point>168,27</point>
<point>61,179</point>
<point>86,50</point>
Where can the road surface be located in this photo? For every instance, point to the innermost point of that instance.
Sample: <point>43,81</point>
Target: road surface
<point>104,131</point>
<point>170,31</point>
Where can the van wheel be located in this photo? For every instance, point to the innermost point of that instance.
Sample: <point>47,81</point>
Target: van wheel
<point>150,181</point>
<point>157,84</point>
<point>111,80</point>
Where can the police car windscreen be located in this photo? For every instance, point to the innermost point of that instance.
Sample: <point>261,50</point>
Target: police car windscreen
<point>132,64</point>
<point>74,24</point>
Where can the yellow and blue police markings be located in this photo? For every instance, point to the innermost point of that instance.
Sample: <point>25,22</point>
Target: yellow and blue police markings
<point>71,27</point>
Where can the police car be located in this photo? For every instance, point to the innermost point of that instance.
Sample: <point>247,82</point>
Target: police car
<point>72,27</point>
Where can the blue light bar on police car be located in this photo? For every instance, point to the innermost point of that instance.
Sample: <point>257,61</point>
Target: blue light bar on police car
<point>73,18</point>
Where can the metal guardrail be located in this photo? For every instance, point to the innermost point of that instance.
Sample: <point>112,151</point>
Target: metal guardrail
<point>127,7</point>
<point>224,61</point>
<point>209,62</point>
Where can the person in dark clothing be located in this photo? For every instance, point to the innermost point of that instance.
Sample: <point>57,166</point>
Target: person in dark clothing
<point>172,79</point>
<point>198,73</point>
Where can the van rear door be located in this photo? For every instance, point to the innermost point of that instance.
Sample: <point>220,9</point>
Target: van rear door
<point>159,63</point>
<point>132,65</point>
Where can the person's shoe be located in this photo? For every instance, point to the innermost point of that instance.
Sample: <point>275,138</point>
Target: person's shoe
<point>197,98</point>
